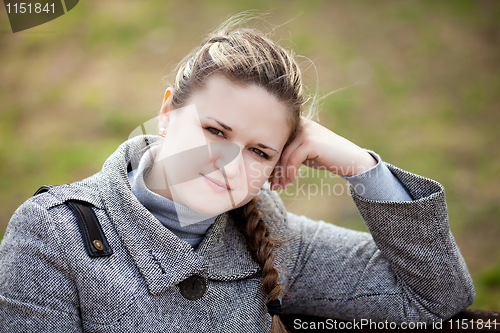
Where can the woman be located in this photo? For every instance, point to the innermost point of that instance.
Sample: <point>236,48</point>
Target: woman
<point>201,243</point>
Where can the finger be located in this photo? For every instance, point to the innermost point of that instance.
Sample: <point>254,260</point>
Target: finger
<point>274,177</point>
<point>312,164</point>
<point>292,147</point>
<point>279,175</point>
<point>270,179</point>
<point>295,161</point>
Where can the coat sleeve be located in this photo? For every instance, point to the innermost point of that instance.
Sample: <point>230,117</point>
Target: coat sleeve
<point>408,268</point>
<point>36,290</point>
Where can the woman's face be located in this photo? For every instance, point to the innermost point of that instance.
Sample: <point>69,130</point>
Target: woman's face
<point>222,146</point>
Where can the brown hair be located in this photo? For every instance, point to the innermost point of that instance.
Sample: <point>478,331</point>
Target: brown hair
<point>246,56</point>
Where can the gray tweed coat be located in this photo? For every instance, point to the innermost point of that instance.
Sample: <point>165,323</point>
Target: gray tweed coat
<point>408,268</point>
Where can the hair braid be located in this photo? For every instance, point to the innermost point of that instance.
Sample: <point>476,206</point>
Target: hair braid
<point>261,246</point>
<point>246,56</point>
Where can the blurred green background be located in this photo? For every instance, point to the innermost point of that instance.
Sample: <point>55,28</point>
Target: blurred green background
<point>422,90</point>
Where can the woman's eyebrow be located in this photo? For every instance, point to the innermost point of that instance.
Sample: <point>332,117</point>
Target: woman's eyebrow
<point>227,128</point>
<point>266,147</point>
<point>224,126</point>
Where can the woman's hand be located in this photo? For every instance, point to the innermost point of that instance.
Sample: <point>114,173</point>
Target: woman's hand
<point>317,147</point>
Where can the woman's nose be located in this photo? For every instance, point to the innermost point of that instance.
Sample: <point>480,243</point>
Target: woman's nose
<point>231,169</point>
<point>226,155</point>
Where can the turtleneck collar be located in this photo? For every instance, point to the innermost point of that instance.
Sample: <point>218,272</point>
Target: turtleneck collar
<point>166,210</point>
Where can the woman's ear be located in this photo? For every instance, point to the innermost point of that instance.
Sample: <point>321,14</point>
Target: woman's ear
<point>166,107</point>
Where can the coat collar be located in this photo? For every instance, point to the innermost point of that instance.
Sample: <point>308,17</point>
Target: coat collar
<point>162,258</point>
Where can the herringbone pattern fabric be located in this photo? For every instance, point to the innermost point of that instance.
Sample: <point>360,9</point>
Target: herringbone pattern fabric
<point>409,268</point>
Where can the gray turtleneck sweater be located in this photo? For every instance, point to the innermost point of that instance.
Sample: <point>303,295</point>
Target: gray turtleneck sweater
<point>377,183</point>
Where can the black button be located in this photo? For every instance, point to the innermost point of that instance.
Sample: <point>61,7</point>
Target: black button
<point>193,287</point>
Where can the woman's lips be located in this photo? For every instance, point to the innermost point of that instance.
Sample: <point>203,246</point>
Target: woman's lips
<point>217,186</point>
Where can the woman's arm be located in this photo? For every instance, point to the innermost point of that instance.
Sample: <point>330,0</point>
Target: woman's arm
<point>37,293</point>
<point>317,147</point>
<point>378,183</point>
<point>409,268</point>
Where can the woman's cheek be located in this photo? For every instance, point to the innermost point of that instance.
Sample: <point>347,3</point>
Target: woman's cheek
<point>260,176</point>
<point>255,186</point>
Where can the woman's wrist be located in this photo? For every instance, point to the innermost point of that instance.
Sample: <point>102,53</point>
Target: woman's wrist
<point>361,161</point>
<point>366,162</point>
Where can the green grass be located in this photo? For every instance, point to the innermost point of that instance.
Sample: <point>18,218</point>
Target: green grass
<point>487,285</point>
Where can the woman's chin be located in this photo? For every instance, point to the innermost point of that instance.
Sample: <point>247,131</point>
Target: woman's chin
<point>204,200</point>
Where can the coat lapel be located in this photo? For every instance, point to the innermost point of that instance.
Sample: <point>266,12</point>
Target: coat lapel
<point>161,257</point>
<point>225,251</point>
<point>225,247</point>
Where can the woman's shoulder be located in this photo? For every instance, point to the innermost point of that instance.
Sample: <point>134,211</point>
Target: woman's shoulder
<point>44,214</point>
<point>272,210</point>
<point>270,202</point>
<point>86,190</point>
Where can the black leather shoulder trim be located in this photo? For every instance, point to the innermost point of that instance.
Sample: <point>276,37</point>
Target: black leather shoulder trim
<point>93,237</point>
<point>94,240</point>
<point>44,188</point>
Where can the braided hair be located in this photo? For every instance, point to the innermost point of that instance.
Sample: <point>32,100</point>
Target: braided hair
<point>246,56</point>
<point>261,246</point>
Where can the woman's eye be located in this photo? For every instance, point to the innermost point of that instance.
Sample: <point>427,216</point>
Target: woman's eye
<point>215,131</point>
<point>260,153</point>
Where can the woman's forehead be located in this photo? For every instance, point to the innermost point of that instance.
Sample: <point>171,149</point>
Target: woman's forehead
<point>248,108</point>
